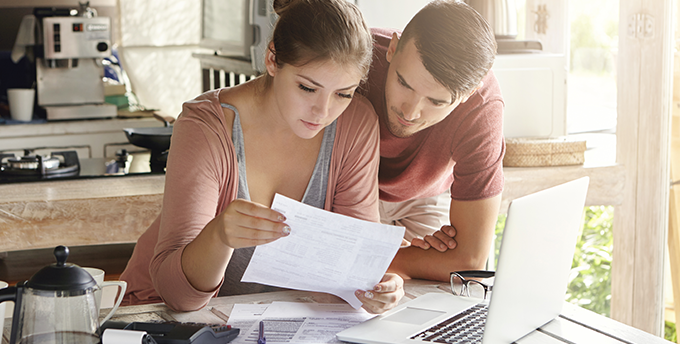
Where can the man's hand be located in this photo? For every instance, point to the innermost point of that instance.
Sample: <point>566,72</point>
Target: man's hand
<point>384,296</point>
<point>442,240</point>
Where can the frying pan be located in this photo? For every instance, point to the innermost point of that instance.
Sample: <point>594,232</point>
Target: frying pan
<point>155,139</point>
<point>152,138</point>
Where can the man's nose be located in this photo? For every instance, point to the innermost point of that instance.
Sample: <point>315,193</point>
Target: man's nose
<point>411,109</point>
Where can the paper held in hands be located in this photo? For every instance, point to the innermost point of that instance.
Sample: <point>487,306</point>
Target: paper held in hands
<point>325,252</point>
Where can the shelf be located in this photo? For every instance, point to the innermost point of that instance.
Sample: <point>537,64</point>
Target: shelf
<point>607,178</point>
<point>52,3</point>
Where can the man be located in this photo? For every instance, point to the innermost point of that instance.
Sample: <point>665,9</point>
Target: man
<point>440,111</point>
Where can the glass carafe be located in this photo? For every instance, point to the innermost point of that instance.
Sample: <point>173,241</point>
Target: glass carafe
<point>56,305</point>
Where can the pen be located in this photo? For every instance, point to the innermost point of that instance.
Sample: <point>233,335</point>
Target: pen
<point>260,337</point>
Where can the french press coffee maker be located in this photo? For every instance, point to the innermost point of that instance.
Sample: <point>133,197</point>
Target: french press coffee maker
<point>56,305</point>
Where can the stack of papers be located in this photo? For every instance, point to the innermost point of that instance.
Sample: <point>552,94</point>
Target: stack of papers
<point>293,322</point>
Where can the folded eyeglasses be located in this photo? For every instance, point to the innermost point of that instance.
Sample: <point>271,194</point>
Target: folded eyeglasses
<point>462,283</point>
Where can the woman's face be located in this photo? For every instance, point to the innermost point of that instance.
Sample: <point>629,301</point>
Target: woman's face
<point>312,96</point>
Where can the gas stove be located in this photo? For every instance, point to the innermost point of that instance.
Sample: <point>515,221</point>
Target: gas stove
<point>58,165</point>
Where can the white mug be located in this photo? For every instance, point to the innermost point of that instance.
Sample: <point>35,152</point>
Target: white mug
<point>98,275</point>
<point>3,284</point>
<point>21,103</point>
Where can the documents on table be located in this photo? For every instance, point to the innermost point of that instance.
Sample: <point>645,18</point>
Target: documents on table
<point>294,322</point>
<point>325,252</point>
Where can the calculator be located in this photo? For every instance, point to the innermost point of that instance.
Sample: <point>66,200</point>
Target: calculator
<point>181,332</point>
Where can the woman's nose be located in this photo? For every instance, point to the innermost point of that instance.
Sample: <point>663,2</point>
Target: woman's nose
<point>321,108</point>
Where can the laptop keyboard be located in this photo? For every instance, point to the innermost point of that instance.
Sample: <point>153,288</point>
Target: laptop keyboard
<point>464,327</point>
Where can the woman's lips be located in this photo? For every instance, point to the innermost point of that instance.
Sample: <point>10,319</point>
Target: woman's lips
<point>312,126</point>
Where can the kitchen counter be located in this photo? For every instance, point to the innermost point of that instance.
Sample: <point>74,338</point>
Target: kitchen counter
<point>119,209</point>
<point>78,212</point>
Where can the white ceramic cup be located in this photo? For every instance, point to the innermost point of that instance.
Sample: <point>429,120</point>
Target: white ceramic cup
<point>98,275</point>
<point>21,103</point>
<point>3,285</point>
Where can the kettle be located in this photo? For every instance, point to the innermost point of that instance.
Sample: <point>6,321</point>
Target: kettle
<point>56,305</point>
<point>500,14</point>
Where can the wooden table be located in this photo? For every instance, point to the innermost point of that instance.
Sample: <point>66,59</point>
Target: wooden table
<point>574,325</point>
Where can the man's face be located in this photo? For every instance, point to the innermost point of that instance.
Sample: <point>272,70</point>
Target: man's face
<point>414,99</point>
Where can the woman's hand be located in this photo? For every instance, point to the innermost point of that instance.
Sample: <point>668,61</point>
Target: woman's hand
<point>384,296</point>
<point>441,240</point>
<point>245,224</point>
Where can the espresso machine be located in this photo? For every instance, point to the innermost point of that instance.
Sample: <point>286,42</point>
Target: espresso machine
<point>71,45</point>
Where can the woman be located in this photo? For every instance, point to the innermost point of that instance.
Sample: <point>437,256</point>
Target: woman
<point>234,148</point>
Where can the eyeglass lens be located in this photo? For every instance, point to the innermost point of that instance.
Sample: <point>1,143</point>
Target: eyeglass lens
<point>470,288</point>
<point>457,285</point>
<point>475,289</point>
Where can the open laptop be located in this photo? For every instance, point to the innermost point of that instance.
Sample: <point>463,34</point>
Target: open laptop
<point>529,288</point>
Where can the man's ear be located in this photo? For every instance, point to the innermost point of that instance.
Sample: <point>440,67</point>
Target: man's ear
<point>270,60</point>
<point>392,48</point>
<point>481,83</point>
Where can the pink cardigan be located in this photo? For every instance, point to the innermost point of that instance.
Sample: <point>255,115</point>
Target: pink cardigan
<point>202,179</point>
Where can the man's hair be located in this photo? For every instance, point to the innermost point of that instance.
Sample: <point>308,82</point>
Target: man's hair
<point>456,45</point>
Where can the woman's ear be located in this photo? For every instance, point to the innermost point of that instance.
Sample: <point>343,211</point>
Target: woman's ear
<point>270,60</point>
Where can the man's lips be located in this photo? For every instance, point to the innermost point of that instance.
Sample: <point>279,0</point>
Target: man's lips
<point>401,120</point>
<point>404,122</point>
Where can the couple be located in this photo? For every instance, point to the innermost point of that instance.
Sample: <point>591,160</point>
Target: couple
<point>406,130</point>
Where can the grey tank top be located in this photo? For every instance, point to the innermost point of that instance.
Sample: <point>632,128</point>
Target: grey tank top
<point>315,195</point>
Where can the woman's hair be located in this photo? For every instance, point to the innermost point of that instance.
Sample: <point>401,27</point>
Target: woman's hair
<point>318,30</point>
<point>456,45</point>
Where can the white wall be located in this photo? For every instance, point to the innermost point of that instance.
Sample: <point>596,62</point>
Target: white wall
<point>157,39</point>
<point>389,13</point>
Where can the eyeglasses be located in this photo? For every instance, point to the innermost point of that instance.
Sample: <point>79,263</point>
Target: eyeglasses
<point>470,287</point>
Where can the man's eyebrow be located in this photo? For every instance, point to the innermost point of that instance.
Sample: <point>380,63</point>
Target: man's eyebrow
<point>403,81</point>
<point>321,86</point>
<point>434,100</point>
<point>441,101</point>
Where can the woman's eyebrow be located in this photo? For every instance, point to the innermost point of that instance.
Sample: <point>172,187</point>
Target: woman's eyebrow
<point>321,86</point>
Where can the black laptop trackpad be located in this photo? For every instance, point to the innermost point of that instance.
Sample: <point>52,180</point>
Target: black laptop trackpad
<point>415,316</point>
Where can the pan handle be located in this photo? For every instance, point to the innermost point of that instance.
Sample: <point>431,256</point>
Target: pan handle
<point>167,120</point>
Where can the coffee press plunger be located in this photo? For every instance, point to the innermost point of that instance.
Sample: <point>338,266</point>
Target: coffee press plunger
<point>56,305</point>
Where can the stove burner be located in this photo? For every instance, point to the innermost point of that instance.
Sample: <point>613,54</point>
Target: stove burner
<point>58,164</point>
<point>32,162</point>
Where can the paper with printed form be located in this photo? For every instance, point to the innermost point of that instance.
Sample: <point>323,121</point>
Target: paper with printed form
<point>325,252</point>
<point>294,322</point>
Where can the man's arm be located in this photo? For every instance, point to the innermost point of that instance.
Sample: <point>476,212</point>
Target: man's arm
<point>474,222</point>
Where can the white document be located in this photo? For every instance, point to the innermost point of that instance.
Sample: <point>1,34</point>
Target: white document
<point>246,317</point>
<point>294,322</point>
<point>325,252</point>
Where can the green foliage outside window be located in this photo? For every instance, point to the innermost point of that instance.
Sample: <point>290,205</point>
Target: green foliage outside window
<point>590,279</point>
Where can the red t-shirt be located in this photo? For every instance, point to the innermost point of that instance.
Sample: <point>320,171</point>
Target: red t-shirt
<point>463,152</point>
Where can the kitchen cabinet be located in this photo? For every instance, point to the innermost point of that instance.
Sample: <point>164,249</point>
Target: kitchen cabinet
<point>90,138</point>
